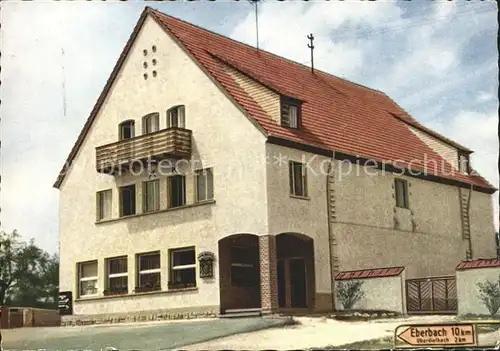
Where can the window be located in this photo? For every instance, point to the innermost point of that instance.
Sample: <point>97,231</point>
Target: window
<point>104,204</point>
<point>244,262</point>
<point>127,200</point>
<point>176,117</point>
<point>290,113</point>
<point>176,191</point>
<point>204,185</point>
<point>463,163</point>
<point>87,278</point>
<point>151,123</point>
<point>298,179</point>
<point>182,268</point>
<point>127,130</point>
<point>151,196</point>
<point>117,275</point>
<point>401,187</point>
<point>148,272</point>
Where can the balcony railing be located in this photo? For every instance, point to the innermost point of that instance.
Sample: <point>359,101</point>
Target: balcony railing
<point>172,143</point>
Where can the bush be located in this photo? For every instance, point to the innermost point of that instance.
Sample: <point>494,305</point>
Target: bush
<point>489,294</point>
<point>349,293</point>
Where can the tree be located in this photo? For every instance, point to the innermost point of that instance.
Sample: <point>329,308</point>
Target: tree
<point>349,293</point>
<point>489,294</point>
<point>28,274</point>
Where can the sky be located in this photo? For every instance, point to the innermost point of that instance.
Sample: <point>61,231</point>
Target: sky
<point>436,59</point>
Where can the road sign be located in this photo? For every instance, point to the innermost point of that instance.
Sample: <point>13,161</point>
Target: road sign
<point>65,303</point>
<point>441,335</point>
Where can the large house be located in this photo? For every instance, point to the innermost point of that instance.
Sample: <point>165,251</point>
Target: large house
<point>212,176</point>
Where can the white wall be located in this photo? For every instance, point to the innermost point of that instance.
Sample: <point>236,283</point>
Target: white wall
<point>468,291</point>
<point>385,293</point>
<point>223,138</point>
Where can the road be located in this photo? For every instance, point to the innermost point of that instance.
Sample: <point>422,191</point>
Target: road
<point>141,336</point>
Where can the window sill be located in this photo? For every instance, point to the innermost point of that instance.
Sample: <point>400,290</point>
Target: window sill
<point>122,296</point>
<point>201,203</point>
<point>403,208</point>
<point>300,197</point>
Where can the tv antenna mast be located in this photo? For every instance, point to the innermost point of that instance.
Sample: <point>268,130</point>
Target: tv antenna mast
<point>256,4</point>
<point>311,46</point>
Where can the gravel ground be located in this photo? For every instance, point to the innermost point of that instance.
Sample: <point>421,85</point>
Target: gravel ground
<point>314,333</point>
<point>141,336</point>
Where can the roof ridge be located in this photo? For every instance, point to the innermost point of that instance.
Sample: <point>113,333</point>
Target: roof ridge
<point>303,66</point>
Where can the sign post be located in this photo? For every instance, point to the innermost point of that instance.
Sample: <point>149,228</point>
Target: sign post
<point>435,335</point>
<point>65,303</point>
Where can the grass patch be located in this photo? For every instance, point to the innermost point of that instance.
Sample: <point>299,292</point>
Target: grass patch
<point>372,344</point>
<point>487,328</point>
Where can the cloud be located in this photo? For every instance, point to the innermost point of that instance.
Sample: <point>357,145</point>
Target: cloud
<point>484,96</point>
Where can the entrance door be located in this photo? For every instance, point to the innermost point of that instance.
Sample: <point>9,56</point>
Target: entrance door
<point>281,284</point>
<point>298,287</point>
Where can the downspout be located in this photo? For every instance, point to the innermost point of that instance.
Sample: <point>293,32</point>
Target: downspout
<point>469,240</point>
<point>330,233</point>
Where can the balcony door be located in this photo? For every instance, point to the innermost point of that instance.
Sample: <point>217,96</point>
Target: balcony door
<point>126,131</point>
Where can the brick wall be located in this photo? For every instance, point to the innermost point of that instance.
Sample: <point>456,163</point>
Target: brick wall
<point>268,274</point>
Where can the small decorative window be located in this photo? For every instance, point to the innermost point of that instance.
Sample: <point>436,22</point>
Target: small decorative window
<point>127,130</point>
<point>153,48</point>
<point>176,117</point>
<point>145,52</point>
<point>290,113</point>
<point>154,62</point>
<point>145,64</point>
<point>145,76</point>
<point>154,73</point>
<point>401,187</point>
<point>206,260</point>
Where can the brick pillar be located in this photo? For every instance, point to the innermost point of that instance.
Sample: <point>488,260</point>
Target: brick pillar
<point>268,274</point>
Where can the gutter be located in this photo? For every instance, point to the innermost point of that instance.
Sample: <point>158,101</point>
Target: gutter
<point>469,240</point>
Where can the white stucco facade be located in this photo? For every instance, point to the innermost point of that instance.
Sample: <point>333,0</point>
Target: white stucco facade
<point>236,153</point>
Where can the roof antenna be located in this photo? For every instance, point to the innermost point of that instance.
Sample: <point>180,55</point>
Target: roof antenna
<point>256,3</point>
<point>311,46</point>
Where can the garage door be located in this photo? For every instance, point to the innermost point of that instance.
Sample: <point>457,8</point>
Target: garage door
<point>434,295</point>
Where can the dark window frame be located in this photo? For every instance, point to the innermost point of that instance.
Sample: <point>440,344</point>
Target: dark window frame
<point>285,122</point>
<point>145,208</point>
<point>207,175</point>
<point>405,195</point>
<point>130,123</point>
<point>173,284</point>
<point>170,199</point>
<point>134,205</point>
<point>292,165</point>
<point>140,286</point>
<point>178,120</point>
<point>249,269</point>
<point>100,204</point>
<point>145,119</point>
<point>122,289</point>
<point>467,163</point>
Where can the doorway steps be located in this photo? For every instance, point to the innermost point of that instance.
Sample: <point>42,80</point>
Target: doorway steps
<point>243,312</point>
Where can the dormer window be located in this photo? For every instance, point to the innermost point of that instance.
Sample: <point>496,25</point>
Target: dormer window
<point>150,123</point>
<point>176,117</point>
<point>126,130</point>
<point>290,113</point>
<point>463,163</point>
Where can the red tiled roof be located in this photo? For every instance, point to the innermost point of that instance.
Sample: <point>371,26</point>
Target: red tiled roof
<point>337,115</point>
<point>479,263</point>
<point>370,273</point>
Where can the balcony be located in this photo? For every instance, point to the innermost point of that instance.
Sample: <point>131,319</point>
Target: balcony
<point>171,143</point>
